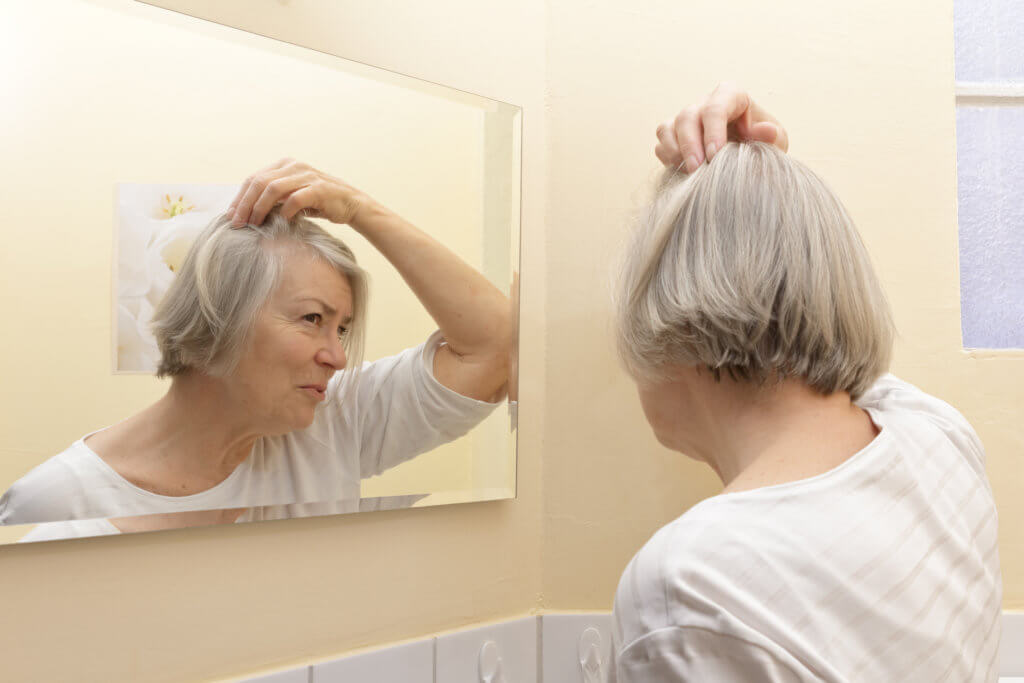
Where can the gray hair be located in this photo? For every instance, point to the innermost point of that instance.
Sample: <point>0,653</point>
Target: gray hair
<point>752,266</point>
<point>204,320</point>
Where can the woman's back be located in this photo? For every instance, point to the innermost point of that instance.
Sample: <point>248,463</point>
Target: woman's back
<point>883,569</point>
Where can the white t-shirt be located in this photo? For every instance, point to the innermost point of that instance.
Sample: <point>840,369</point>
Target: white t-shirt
<point>399,410</point>
<point>885,568</point>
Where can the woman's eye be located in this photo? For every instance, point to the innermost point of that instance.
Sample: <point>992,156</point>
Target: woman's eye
<point>342,331</point>
<point>313,318</point>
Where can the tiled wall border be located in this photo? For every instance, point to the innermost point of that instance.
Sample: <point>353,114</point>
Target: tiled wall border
<point>532,649</point>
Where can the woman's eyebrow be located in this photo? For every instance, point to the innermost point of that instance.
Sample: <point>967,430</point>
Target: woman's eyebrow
<point>327,309</point>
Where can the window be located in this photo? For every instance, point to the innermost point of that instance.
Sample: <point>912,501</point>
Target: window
<point>989,37</point>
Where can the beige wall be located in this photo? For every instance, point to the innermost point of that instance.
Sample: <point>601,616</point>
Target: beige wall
<point>866,91</point>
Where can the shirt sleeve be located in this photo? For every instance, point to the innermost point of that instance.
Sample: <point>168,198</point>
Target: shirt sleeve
<point>52,491</point>
<point>892,393</point>
<point>402,410</point>
<point>683,653</point>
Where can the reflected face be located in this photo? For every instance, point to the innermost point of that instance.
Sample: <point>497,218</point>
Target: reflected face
<point>295,347</point>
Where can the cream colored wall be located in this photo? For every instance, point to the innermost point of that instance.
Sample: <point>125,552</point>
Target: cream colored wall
<point>205,603</point>
<point>865,90</point>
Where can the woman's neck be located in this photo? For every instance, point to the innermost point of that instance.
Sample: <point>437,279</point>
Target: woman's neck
<point>784,431</point>
<point>799,437</point>
<point>190,440</point>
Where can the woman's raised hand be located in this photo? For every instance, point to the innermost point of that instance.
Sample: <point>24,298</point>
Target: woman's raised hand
<point>299,187</point>
<point>700,130</point>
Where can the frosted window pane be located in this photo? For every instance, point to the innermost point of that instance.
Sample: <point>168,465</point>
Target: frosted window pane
<point>989,37</point>
<point>990,166</point>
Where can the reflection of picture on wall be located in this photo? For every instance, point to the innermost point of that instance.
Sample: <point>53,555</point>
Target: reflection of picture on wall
<point>156,225</point>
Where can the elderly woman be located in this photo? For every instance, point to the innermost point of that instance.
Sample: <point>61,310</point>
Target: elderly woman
<point>269,404</point>
<point>855,539</point>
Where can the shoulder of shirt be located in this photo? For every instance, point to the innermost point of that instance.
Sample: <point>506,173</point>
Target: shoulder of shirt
<point>702,579</point>
<point>890,394</point>
<point>673,574</point>
<point>347,391</point>
<point>60,471</point>
<point>371,373</point>
<point>415,365</point>
<point>50,486</point>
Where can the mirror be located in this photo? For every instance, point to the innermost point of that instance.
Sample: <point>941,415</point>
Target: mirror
<point>123,148</point>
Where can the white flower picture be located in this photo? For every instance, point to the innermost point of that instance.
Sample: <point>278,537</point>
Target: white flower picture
<point>156,225</point>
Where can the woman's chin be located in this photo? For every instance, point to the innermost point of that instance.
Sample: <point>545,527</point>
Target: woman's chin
<point>305,421</point>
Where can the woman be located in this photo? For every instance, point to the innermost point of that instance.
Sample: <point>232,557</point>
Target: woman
<point>255,333</point>
<point>855,539</point>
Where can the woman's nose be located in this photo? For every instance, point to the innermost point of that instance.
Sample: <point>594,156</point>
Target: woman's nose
<point>332,354</point>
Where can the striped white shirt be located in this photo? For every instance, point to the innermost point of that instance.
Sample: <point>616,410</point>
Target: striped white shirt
<point>883,569</point>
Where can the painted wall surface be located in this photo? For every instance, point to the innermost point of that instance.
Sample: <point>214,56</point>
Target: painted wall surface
<point>868,104</point>
<point>206,603</point>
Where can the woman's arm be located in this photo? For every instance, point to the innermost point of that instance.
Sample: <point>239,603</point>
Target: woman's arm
<point>473,315</point>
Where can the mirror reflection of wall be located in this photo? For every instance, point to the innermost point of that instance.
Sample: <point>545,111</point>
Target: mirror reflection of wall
<point>166,102</point>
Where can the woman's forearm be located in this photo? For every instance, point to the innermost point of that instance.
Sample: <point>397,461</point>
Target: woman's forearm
<point>473,315</point>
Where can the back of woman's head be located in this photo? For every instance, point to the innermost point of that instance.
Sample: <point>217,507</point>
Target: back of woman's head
<point>751,266</point>
<point>204,321</point>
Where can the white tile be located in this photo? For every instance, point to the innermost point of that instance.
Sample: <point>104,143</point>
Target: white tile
<point>560,638</point>
<point>1011,648</point>
<point>407,663</point>
<point>458,654</point>
<point>300,675</point>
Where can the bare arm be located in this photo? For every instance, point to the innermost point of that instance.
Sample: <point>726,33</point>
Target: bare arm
<point>474,316</point>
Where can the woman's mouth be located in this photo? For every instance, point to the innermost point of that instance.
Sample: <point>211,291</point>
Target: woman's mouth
<point>317,391</point>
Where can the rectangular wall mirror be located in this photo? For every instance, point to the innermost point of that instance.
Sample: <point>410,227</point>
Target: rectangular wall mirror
<point>128,129</point>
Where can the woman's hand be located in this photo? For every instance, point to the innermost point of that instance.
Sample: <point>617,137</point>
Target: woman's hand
<point>700,130</point>
<point>299,187</point>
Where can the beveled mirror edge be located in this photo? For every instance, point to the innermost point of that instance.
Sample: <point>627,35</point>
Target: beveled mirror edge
<point>441,88</point>
<point>45,532</point>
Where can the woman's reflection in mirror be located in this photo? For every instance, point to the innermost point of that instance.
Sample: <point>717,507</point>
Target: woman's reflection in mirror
<point>270,403</point>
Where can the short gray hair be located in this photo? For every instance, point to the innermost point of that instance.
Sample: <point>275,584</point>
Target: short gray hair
<point>204,320</point>
<point>753,267</point>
